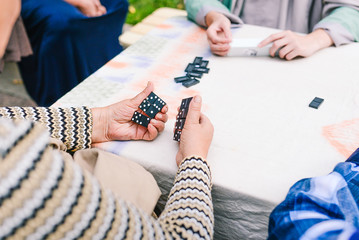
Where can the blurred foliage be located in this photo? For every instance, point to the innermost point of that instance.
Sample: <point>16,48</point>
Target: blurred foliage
<point>139,9</point>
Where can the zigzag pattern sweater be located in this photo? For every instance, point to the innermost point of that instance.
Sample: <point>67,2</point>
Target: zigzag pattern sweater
<point>43,196</point>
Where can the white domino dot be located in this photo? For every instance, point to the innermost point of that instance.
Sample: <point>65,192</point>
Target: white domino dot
<point>151,111</point>
<point>140,122</point>
<point>133,119</point>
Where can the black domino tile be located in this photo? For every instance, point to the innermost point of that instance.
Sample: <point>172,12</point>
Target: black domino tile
<point>203,64</point>
<point>182,79</point>
<point>152,97</point>
<point>197,60</point>
<point>145,105</point>
<point>151,105</point>
<point>319,100</point>
<point>190,83</point>
<point>179,123</point>
<point>177,136</point>
<point>185,102</point>
<point>152,111</point>
<point>181,118</point>
<point>190,67</point>
<point>316,102</point>
<point>140,119</point>
<point>201,70</point>
<point>159,103</point>
<point>195,74</point>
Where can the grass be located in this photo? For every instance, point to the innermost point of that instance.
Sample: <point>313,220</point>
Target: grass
<point>139,9</point>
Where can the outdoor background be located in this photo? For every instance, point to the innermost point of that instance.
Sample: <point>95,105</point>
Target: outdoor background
<point>12,90</point>
<point>139,9</point>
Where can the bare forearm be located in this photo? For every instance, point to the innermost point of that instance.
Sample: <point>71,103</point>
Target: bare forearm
<point>75,3</point>
<point>99,122</point>
<point>9,12</point>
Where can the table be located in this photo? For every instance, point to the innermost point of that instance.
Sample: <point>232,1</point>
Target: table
<point>266,137</point>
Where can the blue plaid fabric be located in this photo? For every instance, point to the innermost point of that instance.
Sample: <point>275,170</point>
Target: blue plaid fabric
<point>322,207</point>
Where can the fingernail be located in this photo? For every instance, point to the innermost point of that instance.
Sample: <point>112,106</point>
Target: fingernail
<point>197,99</point>
<point>153,121</point>
<point>159,115</point>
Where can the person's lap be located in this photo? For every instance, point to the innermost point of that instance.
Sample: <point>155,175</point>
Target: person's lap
<point>67,45</point>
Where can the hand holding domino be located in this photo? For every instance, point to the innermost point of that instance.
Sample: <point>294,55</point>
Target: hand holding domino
<point>150,106</point>
<point>124,121</point>
<point>195,132</point>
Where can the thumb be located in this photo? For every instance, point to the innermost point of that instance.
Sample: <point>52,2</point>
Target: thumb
<point>194,111</point>
<point>137,100</point>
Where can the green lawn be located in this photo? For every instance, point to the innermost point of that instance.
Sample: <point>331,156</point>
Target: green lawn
<point>139,9</point>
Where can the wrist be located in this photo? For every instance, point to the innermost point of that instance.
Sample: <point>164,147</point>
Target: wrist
<point>214,16</point>
<point>322,38</point>
<point>99,121</point>
<point>190,157</point>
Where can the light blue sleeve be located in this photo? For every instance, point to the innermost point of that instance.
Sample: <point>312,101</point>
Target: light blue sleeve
<point>198,9</point>
<point>342,25</point>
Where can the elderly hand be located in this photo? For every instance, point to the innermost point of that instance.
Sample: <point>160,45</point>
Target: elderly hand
<point>290,45</point>
<point>218,33</point>
<point>90,8</point>
<point>197,133</point>
<point>114,122</point>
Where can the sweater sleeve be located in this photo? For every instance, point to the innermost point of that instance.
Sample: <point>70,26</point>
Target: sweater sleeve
<point>73,126</point>
<point>342,25</point>
<point>43,196</point>
<point>198,9</point>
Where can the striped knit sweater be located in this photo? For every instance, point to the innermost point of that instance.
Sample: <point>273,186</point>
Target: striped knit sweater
<point>73,126</point>
<point>43,196</point>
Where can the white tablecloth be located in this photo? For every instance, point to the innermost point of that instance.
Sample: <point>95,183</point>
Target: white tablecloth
<point>266,137</point>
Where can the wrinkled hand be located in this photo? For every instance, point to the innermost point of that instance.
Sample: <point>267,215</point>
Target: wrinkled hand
<point>290,45</point>
<point>197,133</point>
<point>114,122</point>
<point>218,33</point>
<point>90,8</point>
